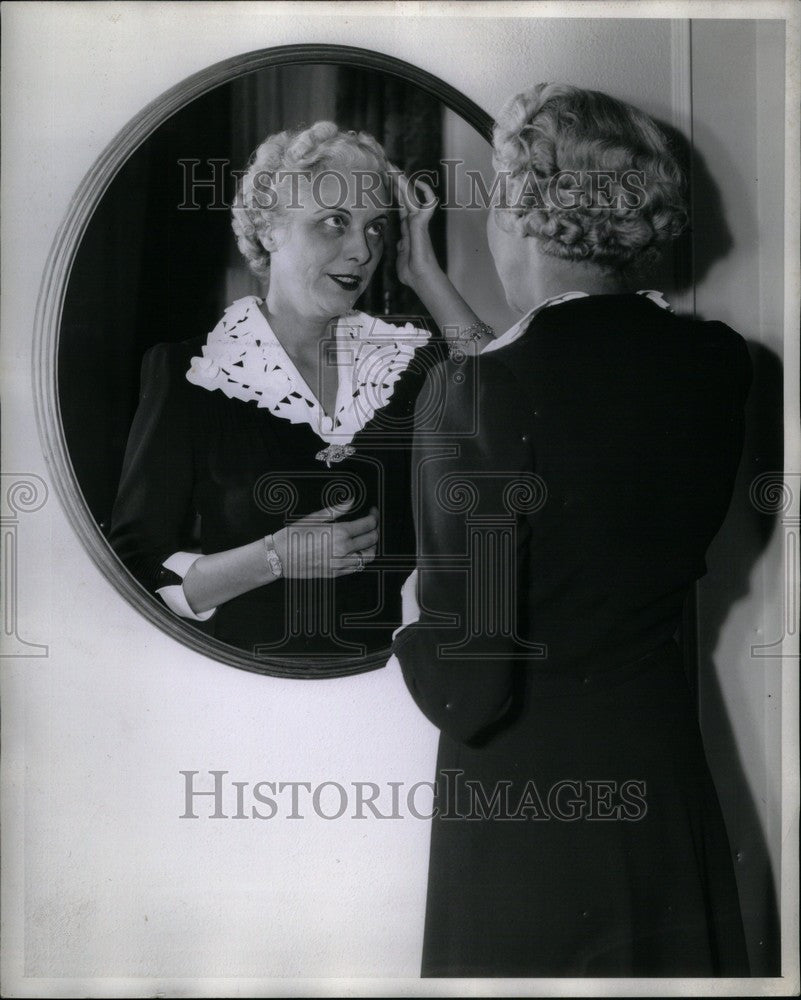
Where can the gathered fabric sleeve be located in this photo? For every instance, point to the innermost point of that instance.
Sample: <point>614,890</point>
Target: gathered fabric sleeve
<point>153,514</point>
<point>458,660</point>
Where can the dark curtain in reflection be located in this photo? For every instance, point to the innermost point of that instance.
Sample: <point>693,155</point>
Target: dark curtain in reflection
<point>408,124</point>
<point>151,268</point>
<point>404,119</point>
<point>147,270</point>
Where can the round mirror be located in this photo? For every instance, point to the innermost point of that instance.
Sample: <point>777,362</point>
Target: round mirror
<point>146,266</point>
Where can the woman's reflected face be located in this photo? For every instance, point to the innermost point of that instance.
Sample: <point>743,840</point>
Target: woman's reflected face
<point>326,243</point>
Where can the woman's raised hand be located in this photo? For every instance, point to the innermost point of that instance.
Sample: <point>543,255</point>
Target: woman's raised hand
<point>320,545</point>
<point>416,258</point>
<point>418,267</point>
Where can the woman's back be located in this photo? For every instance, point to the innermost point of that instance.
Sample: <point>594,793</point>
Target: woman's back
<point>601,448</point>
<point>633,420</point>
<point>577,822</point>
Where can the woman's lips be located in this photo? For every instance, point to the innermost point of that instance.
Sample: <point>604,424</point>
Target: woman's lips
<point>349,282</point>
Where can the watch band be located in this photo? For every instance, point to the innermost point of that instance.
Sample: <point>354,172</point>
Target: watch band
<point>273,559</point>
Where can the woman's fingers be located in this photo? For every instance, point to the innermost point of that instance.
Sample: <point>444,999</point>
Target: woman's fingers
<point>354,563</point>
<point>410,203</point>
<point>330,513</point>
<point>428,191</point>
<point>360,524</point>
<point>365,541</point>
<point>326,547</point>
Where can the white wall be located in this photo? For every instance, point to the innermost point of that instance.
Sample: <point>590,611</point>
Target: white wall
<point>738,115</point>
<point>115,884</point>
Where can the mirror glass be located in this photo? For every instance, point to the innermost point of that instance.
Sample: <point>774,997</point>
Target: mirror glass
<point>157,264</point>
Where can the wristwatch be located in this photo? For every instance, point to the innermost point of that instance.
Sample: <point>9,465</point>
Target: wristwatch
<point>273,559</point>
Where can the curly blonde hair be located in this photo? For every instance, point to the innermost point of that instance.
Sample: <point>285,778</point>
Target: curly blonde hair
<point>313,149</point>
<point>550,141</point>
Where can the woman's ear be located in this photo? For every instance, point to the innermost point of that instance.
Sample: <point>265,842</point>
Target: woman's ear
<point>267,237</point>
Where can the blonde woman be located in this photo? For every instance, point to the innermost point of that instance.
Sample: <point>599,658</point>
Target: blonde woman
<point>285,433</point>
<point>578,830</point>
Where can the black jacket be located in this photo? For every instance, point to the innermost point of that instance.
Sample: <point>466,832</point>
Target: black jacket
<point>566,499</point>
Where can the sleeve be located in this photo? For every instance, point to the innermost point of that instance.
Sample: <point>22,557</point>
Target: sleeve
<point>459,658</point>
<point>744,369</point>
<point>743,374</point>
<point>720,446</point>
<point>153,512</point>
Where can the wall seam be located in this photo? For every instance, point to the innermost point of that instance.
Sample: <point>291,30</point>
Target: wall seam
<point>681,103</point>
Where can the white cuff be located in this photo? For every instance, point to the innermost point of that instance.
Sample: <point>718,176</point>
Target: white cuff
<point>410,609</point>
<point>174,596</point>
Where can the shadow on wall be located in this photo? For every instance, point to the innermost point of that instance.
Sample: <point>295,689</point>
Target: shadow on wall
<point>686,266</point>
<point>733,556</point>
<point>746,533</point>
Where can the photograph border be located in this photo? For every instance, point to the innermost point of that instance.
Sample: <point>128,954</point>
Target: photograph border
<point>50,530</point>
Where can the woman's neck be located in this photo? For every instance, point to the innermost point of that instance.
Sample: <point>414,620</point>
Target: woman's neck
<point>552,276</point>
<point>297,332</point>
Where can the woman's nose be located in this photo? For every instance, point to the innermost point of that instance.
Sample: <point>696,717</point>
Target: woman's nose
<point>358,249</point>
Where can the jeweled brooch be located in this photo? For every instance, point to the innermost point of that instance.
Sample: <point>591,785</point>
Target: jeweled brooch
<point>335,453</point>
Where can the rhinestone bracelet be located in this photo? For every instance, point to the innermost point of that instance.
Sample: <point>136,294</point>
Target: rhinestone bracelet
<point>468,335</point>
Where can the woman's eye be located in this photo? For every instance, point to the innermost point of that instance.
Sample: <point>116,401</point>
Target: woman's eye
<point>334,222</point>
<point>376,228</point>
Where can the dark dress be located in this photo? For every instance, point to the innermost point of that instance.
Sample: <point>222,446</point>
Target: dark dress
<point>205,472</point>
<point>578,830</point>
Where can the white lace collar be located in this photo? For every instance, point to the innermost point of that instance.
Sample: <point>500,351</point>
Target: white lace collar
<point>244,359</point>
<point>521,326</point>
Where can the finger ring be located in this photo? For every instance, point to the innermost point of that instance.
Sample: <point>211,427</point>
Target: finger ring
<point>360,565</point>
